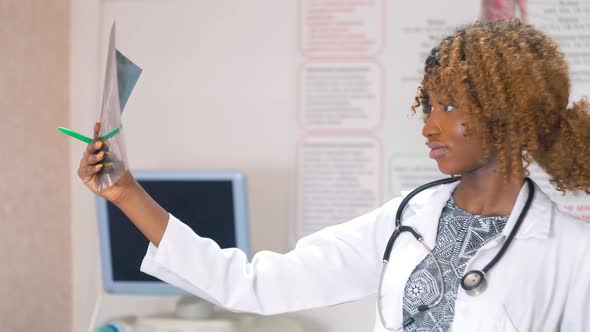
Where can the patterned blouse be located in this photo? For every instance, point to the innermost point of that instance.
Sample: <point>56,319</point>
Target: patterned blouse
<point>460,235</point>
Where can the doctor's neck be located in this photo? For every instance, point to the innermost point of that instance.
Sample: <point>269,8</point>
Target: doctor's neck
<point>484,191</point>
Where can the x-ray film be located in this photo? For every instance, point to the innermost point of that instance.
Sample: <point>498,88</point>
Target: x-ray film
<point>120,77</point>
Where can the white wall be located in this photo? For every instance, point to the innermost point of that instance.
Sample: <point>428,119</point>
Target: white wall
<point>226,102</point>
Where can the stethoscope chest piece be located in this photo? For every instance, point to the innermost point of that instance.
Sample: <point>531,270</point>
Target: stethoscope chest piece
<point>474,282</point>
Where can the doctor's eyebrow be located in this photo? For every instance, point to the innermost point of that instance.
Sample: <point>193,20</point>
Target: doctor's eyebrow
<point>443,102</point>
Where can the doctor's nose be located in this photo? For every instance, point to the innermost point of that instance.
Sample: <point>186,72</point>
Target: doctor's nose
<point>431,126</point>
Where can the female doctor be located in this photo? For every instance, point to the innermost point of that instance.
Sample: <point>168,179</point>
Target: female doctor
<point>489,252</point>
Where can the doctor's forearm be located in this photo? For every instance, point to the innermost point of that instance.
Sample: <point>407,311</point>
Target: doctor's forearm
<point>147,215</point>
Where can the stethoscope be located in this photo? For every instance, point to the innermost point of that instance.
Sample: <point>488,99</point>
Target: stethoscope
<point>473,282</point>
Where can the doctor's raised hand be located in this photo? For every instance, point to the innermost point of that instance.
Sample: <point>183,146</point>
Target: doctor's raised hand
<point>126,193</point>
<point>93,162</point>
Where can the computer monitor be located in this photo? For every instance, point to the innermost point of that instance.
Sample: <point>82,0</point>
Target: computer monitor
<point>213,204</point>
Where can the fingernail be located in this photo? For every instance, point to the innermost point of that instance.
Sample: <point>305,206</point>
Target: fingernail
<point>100,155</point>
<point>99,166</point>
<point>98,145</point>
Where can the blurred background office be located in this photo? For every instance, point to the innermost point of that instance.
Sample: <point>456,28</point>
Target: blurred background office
<point>309,99</point>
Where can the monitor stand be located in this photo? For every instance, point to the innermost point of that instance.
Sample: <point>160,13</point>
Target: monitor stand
<point>193,307</point>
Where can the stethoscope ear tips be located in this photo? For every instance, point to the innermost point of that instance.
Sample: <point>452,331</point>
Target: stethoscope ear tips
<point>474,282</point>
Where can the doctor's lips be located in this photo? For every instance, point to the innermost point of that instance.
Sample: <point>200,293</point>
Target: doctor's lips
<point>437,150</point>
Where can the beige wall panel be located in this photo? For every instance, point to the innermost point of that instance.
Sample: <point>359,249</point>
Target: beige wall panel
<point>35,277</point>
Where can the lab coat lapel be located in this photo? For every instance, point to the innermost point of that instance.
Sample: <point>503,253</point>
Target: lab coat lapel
<point>427,207</point>
<point>422,213</point>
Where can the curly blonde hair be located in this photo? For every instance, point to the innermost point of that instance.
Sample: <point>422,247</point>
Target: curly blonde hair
<point>513,82</point>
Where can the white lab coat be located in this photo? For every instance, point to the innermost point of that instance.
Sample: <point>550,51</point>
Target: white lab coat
<point>541,284</point>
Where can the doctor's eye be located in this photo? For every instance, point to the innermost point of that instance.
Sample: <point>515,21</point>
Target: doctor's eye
<point>426,107</point>
<point>448,108</point>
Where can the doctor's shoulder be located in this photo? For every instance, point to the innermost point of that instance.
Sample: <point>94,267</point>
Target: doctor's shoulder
<point>571,241</point>
<point>379,219</point>
<point>568,226</point>
<point>368,231</point>
<point>571,232</point>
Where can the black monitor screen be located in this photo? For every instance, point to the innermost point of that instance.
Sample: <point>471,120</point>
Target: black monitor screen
<point>205,206</point>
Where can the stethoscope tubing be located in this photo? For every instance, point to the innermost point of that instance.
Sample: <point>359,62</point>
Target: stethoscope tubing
<point>517,224</point>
